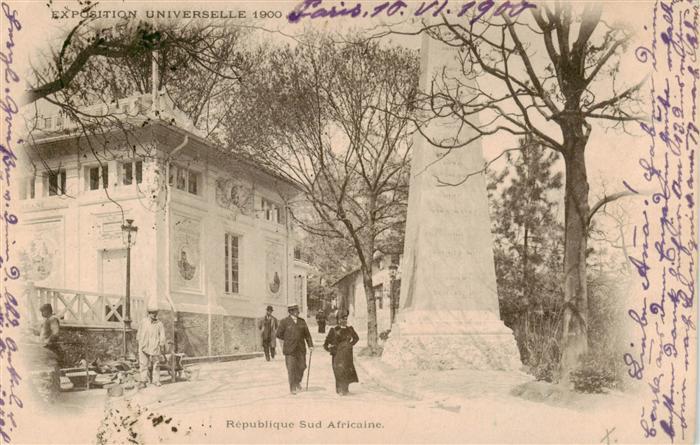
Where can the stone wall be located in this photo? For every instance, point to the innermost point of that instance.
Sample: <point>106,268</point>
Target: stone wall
<point>192,331</point>
<point>229,335</point>
<point>91,344</point>
<point>240,335</point>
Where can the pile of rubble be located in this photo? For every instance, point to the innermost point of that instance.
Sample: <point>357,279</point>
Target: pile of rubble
<point>105,374</point>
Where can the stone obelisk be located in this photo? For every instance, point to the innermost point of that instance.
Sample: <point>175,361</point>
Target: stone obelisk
<point>449,316</point>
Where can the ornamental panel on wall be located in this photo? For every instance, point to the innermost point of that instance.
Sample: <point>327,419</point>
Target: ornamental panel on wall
<point>234,195</point>
<point>40,253</point>
<point>274,272</point>
<point>185,261</point>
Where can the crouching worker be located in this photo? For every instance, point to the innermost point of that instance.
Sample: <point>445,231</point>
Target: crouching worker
<point>151,344</point>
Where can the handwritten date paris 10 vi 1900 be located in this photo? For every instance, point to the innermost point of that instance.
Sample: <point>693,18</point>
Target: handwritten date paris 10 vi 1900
<point>471,11</point>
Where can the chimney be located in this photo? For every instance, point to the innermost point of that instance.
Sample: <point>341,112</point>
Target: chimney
<point>155,81</point>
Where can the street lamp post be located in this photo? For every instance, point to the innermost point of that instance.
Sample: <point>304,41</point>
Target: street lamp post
<point>393,295</point>
<point>128,229</point>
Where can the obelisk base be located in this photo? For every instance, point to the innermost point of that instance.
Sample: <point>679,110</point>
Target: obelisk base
<point>442,340</point>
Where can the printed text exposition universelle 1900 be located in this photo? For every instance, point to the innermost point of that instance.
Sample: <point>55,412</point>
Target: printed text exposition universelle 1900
<point>149,14</point>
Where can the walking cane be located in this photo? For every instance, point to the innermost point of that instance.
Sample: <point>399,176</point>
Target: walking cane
<point>308,374</point>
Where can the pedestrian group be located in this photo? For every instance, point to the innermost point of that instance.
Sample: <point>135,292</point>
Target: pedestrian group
<point>292,331</point>
<point>294,334</point>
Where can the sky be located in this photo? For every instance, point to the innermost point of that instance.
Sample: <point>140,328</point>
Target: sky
<point>610,152</point>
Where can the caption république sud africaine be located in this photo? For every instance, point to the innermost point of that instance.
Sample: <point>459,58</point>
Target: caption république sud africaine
<point>303,424</point>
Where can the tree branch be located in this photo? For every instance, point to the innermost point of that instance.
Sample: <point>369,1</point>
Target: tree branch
<point>604,201</point>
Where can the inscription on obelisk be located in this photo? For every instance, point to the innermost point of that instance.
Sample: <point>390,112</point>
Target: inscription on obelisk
<point>449,316</point>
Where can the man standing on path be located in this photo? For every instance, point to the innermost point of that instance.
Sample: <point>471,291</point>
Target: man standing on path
<point>151,339</point>
<point>321,320</point>
<point>268,333</point>
<point>293,331</point>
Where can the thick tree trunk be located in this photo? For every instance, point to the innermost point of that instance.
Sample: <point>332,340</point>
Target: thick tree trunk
<point>371,311</point>
<point>365,251</point>
<point>526,292</point>
<point>575,332</point>
<point>526,224</point>
<point>372,334</point>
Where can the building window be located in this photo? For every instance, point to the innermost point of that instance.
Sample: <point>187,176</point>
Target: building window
<point>231,266</point>
<point>271,211</point>
<point>297,253</point>
<point>181,179</point>
<point>27,188</point>
<point>299,287</point>
<point>97,177</point>
<point>184,179</point>
<point>192,182</point>
<point>132,171</point>
<point>56,182</point>
<point>47,123</point>
<point>379,294</point>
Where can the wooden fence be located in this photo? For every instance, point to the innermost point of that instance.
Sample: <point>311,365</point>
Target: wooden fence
<point>85,309</point>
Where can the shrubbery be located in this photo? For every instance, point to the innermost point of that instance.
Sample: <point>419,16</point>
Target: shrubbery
<point>528,254</point>
<point>596,374</point>
<point>545,371</point>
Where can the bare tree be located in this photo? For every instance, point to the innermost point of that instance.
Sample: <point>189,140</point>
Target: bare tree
<point>90,75</point>
<point>548,77</point>
<point>93,62</point>
<point>324,115</point>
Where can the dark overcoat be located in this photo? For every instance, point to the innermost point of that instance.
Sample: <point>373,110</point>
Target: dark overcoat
<point>294,336</point>
<point>268,331</point>
<point>339,343</point>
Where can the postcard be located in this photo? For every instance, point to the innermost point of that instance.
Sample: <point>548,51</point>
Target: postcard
<point>326,221</point>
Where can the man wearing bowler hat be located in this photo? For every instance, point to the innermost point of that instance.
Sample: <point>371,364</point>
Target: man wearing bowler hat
<point>268,331</point>
<point>293,332</point>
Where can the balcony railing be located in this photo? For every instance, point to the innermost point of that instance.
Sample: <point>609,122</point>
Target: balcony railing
<point>130,106</point>
<point>85,309</point>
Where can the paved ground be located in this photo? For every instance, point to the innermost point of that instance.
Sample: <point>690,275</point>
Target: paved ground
<point>248,402</point>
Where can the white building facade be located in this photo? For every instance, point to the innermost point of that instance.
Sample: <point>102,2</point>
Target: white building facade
<point>213,247</point>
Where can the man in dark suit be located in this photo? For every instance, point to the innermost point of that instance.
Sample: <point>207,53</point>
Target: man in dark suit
<point>293,332</point>
<point>268,327</point>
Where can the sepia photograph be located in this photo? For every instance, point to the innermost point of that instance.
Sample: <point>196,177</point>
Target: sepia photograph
<point>319,221</point>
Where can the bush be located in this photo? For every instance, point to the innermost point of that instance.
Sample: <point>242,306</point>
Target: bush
<point>595,374</point>
<point>545,371</point>
<point>384,335</point>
